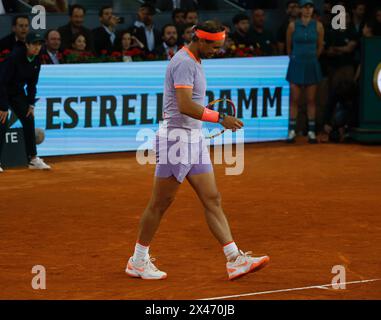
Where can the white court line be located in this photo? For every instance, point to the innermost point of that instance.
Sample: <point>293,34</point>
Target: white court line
<point>287,290</point>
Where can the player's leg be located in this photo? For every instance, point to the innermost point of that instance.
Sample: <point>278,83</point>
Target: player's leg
<point>238,263</point>
<point>20,107</point>
<point>311,112</point>
<point>163,194</point>
<point>294,102</point>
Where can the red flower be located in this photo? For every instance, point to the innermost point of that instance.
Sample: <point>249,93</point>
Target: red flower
<point>103,52</point>
<point>1,59</point>
<point>67,52</point>
<point>116,54</point>
<point>6,51</point>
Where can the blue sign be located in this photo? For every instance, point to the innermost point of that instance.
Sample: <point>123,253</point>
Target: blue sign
<point>91,108</point>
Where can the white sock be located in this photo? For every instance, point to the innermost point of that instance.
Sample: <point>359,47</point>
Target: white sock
<point>231,251</point>
<point>141,252</point>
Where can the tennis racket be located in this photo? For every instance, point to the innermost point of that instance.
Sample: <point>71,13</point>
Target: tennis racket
<point>227,107</point>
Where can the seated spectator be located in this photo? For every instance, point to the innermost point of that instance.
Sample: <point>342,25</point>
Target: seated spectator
<point>178,17</point>
<point>50,53</point>
<point>241,35</point>
<point>104,36</point>
<point>144,29</point>
<point>263,39</point>
<point>130,47</point>
<point>293,12</point>
<point>191,17</point>
<point>169,47</point>
<point>50,5</point>
<point>187,34</point>
<point>75,25</point>
<point>358,16</point>
<point>77,52</point>
<point>169,5</point>
<point>20,29</point>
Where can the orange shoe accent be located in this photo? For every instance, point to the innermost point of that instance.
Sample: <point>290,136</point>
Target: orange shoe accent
<point>253,268</point>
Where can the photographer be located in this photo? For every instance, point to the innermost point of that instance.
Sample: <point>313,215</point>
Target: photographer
<point>22,69</point>
<point>104,36</point>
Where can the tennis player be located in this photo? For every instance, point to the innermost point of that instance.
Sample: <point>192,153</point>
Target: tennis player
<point>184,96</point>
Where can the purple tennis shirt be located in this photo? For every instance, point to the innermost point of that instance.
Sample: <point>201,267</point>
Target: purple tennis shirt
<point>183,71</point>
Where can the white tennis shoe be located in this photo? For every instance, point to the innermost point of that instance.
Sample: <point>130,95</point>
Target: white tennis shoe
<point>1,169</point>
<point>144,269</point>
<point>245,264</point>
<point>38,164</point>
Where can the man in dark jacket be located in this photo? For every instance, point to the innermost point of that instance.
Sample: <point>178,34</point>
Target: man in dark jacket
<point>169,47</point>
<point>144,29</point>
<point>21,69</point>
<point>77,16</point>
<point>104,36</point>
<point>50,53</point>
<point>20,29</point>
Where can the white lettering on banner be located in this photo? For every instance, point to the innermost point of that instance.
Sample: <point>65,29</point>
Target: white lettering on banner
<point>11,137</point>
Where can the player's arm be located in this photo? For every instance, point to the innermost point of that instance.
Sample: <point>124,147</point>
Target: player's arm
<point>192,109</point>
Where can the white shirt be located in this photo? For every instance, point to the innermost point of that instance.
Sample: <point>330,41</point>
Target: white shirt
<point>150,36</point>
<point>2,9</point>
<point>112,34</point>
<point>54,57</point>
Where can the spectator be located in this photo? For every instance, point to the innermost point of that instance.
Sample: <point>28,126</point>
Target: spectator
<point>20,29</point>
<point>169,5</point>
<point>241,35</point>
<point>262,38</point>
<point>144,29</point>
<point>305,38</point>
<point>77,52</point>
<point>130,47</point>
<point>187,34</point>
<point>169,47</point>
<point>191,17</point>
<point>340,53</point>
<point>358,16</point>
<point>293,12</point>
<point>178,17</point>
<point>50,53</point>
<point>75,25</point>
<point>104,36</point>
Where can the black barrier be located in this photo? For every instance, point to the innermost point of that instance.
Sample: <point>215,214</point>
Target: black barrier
<point>13,153</point>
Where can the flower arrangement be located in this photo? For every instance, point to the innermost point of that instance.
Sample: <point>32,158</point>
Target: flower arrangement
<point>4,54</point>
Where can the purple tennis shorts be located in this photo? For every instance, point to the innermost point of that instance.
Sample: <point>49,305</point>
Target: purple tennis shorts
<point>179,159</point>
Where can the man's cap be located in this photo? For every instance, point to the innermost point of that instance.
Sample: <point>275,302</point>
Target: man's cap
<point>34,37</point>
<point>303,3</point>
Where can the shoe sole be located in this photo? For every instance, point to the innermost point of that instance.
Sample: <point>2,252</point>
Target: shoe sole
<point>133,275</point>
<point>253,268</point>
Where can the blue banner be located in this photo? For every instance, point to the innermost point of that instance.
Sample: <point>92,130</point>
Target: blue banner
<point>92,108</point>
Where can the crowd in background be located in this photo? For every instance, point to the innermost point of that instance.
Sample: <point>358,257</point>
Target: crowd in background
<point>247,36</point>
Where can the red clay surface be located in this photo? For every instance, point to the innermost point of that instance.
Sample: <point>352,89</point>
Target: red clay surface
<point>309,207</point>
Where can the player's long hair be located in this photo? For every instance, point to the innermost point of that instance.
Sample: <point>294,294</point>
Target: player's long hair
<point>211,26</point>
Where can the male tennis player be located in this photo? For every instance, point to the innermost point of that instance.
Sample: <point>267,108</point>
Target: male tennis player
<point>184,96</point>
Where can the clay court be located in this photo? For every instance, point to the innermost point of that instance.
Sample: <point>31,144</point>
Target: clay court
<point>309,207</point>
